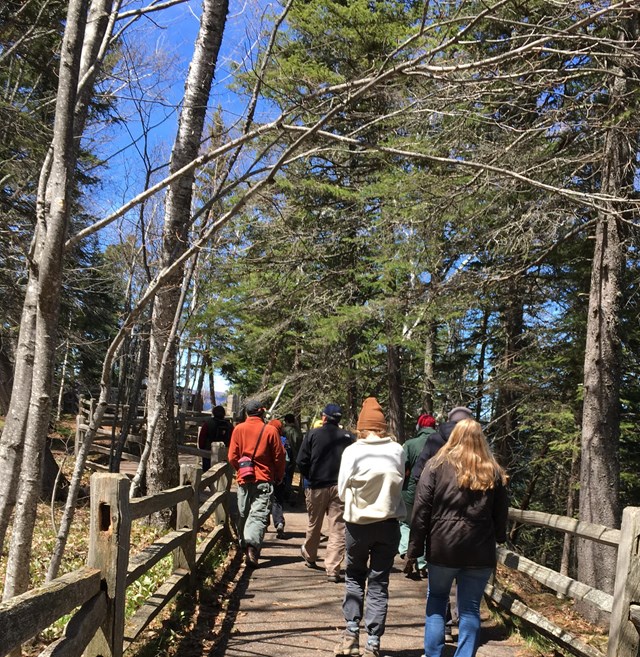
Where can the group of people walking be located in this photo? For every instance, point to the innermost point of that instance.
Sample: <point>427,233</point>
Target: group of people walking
<point>440,501</point>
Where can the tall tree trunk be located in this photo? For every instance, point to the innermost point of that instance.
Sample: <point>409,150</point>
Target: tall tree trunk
<point>599,465</point>
<point>163,460</point>
<point>208,364</point>
<point>6,373</point>
<point>198,399</point>
<point>132,400</point>
<point>353,393</point>
<point>396,404</point>
<point>572,498</point>
<point>506,410</point>
<point>63,376</point>
<point>12,442</point>
<point>429,369</point>
<point>482,356</point>
<point>47,281</point>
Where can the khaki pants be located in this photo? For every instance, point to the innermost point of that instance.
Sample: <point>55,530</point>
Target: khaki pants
<point>321,502</point>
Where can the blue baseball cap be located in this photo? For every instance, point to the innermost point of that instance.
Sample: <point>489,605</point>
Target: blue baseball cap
<point>333,411</point>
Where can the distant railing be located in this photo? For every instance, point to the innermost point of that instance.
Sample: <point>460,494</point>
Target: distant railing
<point>622,605</point>
<point>187,424</point>
<point>98,626</point>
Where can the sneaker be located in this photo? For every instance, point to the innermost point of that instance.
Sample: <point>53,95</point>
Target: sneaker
<point>335,579</point>
<point>349,645</point>
<point>307,560</point>
<point>371,650</point>
<point>252,557</point>
<point>280,530</point>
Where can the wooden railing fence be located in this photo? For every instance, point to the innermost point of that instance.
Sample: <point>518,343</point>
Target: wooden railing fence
<point>98,627</point>
<point>623,605</point>
<point>187,424</point>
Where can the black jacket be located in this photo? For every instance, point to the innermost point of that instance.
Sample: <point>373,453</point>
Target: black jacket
<point>320,454</point>
<point>460,526</point>
<point>214,430</point>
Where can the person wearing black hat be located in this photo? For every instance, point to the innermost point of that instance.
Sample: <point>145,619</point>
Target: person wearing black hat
<point>319,462</point>
<point>215,429</point>
<point>257,455</point>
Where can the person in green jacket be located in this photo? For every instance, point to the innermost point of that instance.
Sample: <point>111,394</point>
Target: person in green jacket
<point>412,449</point>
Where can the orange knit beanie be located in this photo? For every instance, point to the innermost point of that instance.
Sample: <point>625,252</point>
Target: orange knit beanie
<point>371,417</point>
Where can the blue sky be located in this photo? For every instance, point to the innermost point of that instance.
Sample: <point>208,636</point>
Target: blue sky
<point>164,42</point>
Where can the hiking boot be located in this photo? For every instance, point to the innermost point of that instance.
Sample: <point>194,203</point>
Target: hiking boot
<point>280,530</point>
<point>371,650</point>
<point>307,559</point>
<point>252,557</point>
<point>349,645</point>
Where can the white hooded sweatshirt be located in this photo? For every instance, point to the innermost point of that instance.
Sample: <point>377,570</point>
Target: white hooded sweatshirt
<point>370,480</point>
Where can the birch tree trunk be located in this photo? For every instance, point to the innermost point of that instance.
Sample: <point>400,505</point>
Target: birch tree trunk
<point>42,319</point>
<point>599,463</point>
<point>12,442</point>
<point>163,461</point>
<point>27,425</point>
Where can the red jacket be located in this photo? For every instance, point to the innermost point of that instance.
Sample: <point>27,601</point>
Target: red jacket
<point>269,459</point>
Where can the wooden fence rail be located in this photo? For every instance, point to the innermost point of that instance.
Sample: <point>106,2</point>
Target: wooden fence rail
<point>98,627</point>
<point>187,424</point>
<point>623,605</point>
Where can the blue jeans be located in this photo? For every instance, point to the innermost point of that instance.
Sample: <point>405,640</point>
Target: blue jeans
<point>470,584</point>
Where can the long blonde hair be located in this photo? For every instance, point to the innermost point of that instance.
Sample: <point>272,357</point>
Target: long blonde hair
<point>469,453</point>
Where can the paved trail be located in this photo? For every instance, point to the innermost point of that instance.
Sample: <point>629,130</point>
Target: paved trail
<point>285,609</point>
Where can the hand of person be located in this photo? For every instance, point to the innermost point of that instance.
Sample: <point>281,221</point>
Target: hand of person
<point>409,566</point>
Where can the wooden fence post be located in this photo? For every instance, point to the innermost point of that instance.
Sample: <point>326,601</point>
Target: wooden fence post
<point>224,484</point>
<point>109,540</point>
<point>79,435</point>
<point>623,636</point>
<point>182,433</point>
<point>219,455</point>
<point>187,518</point>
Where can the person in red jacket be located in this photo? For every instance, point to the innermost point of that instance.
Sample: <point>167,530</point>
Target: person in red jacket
<point>257,455</point>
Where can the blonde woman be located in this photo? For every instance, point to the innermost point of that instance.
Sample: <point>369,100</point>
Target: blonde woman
<point>460,511</point>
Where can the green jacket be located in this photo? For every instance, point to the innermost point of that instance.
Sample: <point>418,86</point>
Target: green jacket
<point>294,436</point>
<point>412,450</point>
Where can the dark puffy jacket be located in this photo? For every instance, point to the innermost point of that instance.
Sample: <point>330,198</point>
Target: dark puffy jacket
<point>460,526</point>
<point>320,454</point>
<point>434,443</point>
